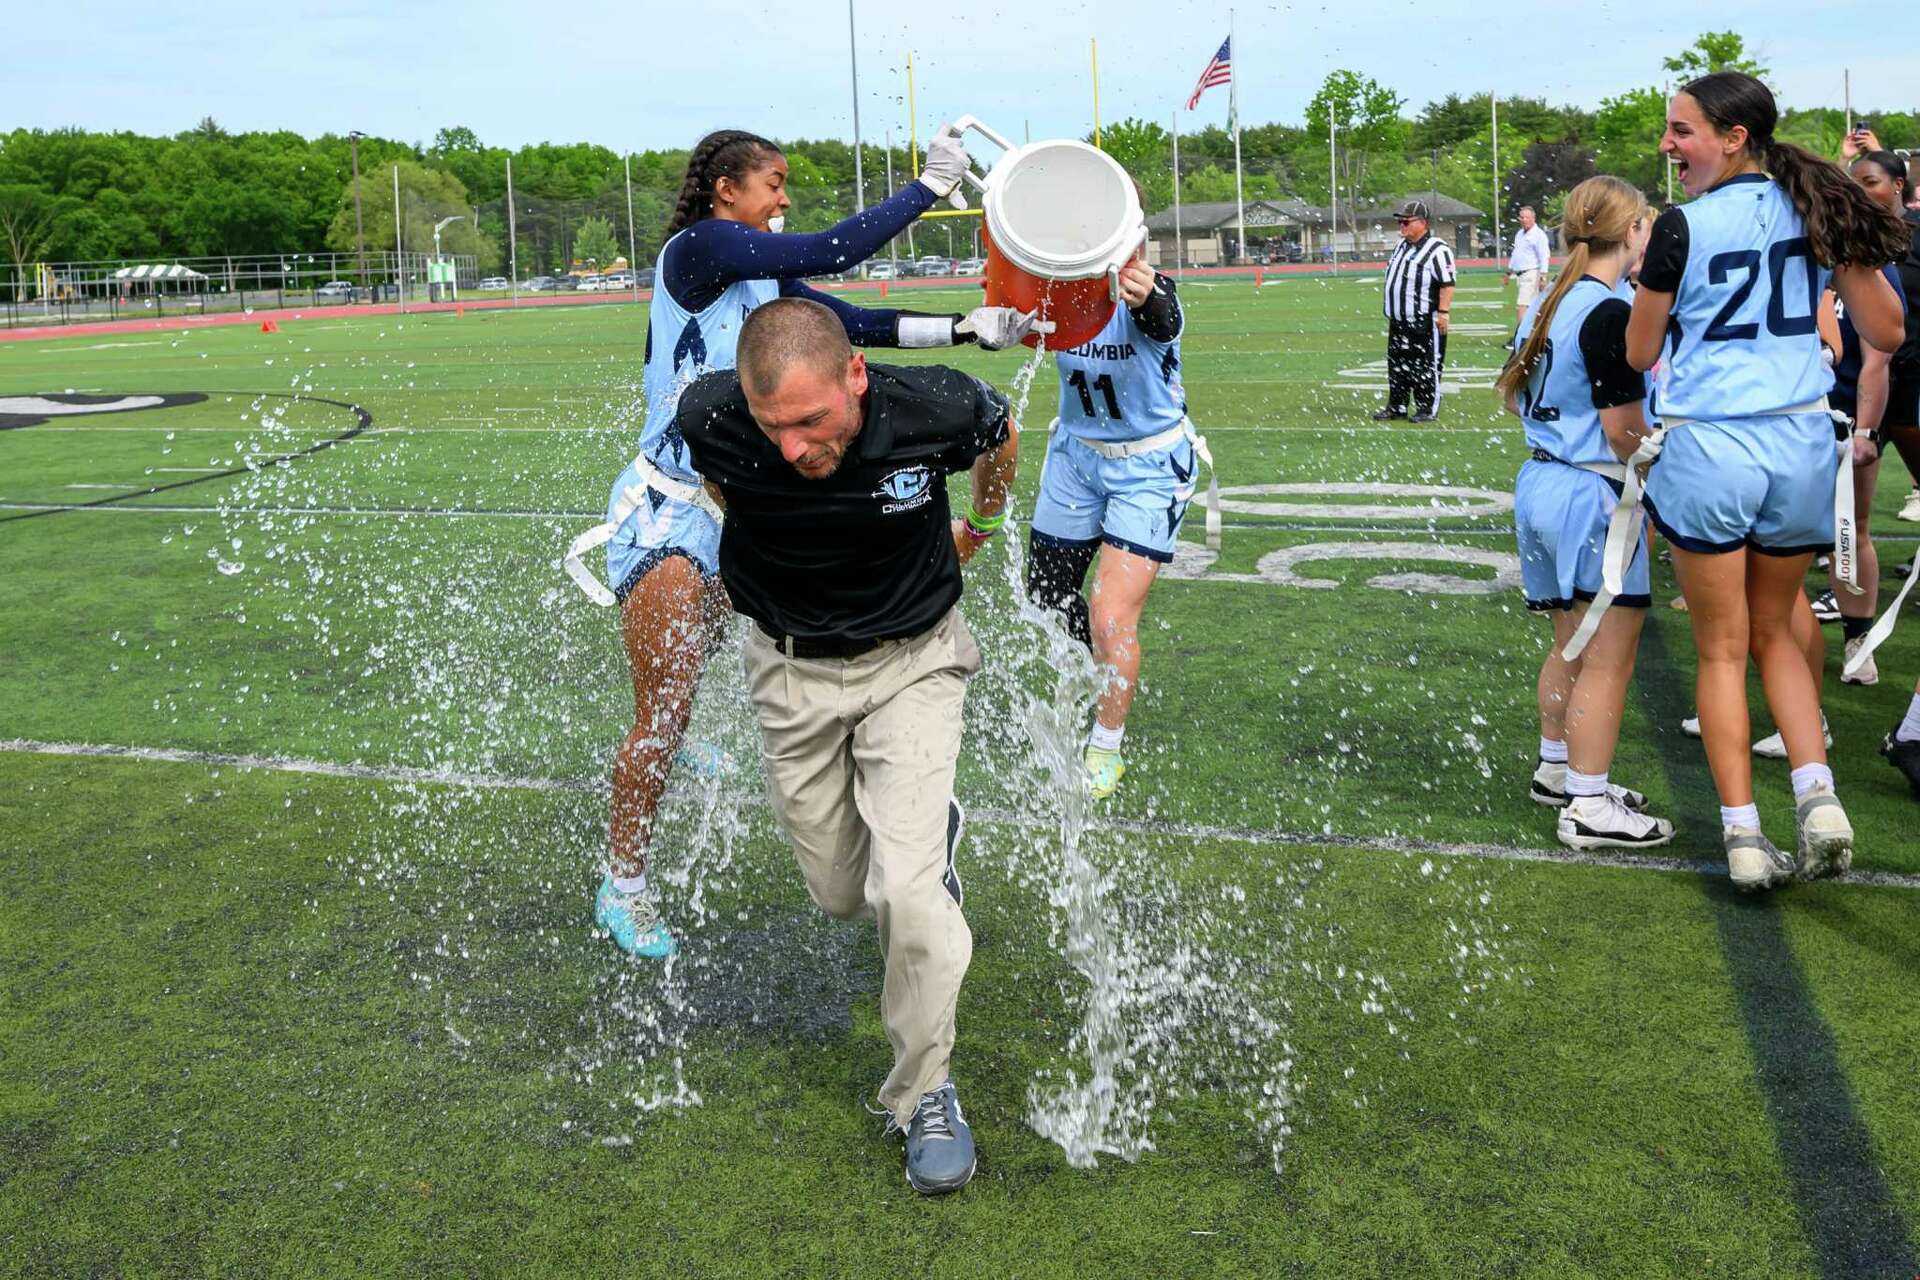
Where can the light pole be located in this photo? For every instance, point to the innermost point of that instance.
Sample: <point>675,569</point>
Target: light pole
<point>359,231</point>
<point>458,217</point>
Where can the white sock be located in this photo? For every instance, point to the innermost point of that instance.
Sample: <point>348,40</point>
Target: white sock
<point>1809,776</point>
<point>1105,739</point>
<point>1740,815</point>
<point>630,884</point>
<point>1909,730</point>
<point>1585,784</point>
<point>1553,752</point>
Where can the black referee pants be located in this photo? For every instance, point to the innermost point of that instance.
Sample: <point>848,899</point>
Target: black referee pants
<point>1416,353</point>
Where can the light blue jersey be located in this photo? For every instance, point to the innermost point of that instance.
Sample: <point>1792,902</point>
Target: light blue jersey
<point>1742,340</point>
<point>1121,385</point>
<point>1557,404</point>
<point>682,345</point>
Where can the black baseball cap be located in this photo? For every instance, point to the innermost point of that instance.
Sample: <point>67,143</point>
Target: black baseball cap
<point>1413,209</point>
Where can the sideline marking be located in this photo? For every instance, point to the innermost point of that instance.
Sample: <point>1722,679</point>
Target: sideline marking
<point>998,817</point>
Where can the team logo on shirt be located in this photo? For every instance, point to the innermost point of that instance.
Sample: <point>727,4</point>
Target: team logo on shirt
<point>909,487</point>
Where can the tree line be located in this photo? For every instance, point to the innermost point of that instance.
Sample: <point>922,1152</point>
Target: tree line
<point>75,195</point>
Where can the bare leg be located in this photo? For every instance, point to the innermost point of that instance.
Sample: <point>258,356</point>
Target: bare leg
<point>668,623</point>
<point>1599,694</point>
<point>1775,604</point>
<point>1120,585</point>
<point>1715,585</point>
<point>1554,688</point>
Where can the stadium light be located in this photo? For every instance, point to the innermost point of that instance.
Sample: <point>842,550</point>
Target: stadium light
<point>458,217</point>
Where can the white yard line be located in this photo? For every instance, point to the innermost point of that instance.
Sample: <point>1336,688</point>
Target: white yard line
<point>128,488</point>
<point>1183,830</point>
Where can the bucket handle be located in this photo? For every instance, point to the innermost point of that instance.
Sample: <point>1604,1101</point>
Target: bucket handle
<point>960,128</point>
<point>1113,271</point>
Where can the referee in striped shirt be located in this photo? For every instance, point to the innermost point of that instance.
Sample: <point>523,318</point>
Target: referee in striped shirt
<point>1419,296</point>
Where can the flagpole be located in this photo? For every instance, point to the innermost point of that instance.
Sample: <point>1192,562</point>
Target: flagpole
<point>853,72</point>
<point>1179,240</point>
<point>1333,193</point>
<point>1494,98</point>
<point>1233,105</point>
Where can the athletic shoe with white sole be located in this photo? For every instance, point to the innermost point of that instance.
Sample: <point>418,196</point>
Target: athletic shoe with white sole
<point>1910,509</point>
<point>1825,607</point>
<point>1691,726</point>
<point>1550,788</point>
<point>1104,771</point>
<point>633,921</point>
<point>1602,822</point>
<point>1904,756</point>
<point>956,823</point>
<point>1826,837</point>
<point>1869,672</point>
<point>1774,747</point>
<point>940,1151</point>
<point>1753,863</point>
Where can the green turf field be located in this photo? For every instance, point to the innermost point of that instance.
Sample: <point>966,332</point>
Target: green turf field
<point>265,1013</point>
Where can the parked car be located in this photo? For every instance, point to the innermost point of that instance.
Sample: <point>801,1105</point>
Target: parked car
<point>971,267</point>
<point>644,277</point>
<point>591,284</point>
<point>539,284</point>
<point>615,280</point>
<point>566,283</point>
<point>932,265</point>
<point>494,282</point>
<point>882,271</point>
<point>334,289</point>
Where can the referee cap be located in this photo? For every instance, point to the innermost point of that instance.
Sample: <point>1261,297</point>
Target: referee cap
<point>1413,209</point>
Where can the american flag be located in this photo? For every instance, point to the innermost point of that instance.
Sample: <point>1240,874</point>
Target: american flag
<point>1219,71</point>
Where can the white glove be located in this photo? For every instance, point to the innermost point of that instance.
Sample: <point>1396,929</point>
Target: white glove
<point>947,162</point>
<point>996,328</point>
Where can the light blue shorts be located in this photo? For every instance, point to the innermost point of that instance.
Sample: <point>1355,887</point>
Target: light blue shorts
<point>1765,483</point>
<point>1560,514</point>
<point>1135,504</point>
<point>658,528</point>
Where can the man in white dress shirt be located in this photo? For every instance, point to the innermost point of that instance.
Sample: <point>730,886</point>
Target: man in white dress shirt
<point>1528,266</point>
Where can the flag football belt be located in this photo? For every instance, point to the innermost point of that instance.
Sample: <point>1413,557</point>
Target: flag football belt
<point>631,496</point>
<point>1626,524</point>
<point>1614,471</point>
<point>1182,430</point>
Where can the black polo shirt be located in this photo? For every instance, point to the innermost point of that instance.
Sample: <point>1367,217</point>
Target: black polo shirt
<point>866,553</point>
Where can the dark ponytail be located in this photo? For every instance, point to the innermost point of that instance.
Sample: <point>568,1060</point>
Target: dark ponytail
<point>728,153</point>
<point>1844,225</point>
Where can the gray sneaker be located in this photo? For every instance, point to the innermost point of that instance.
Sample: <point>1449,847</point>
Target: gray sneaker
<point>940,1154</point>
<point>956,824</point>
<point>1826,837</point>
<point>1753,863</point>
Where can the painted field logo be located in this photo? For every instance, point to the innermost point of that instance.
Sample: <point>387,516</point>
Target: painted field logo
<point>31,411</point>
<point>909,487</point>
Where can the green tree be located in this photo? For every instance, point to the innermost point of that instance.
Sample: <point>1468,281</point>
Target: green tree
<point>426,196</point>
<point>594,243</point>
<point>1714,51</point>
<point>1144,150</point>
<point>29,224</point>
<point>1626,138</point>
<point>1365,116</point>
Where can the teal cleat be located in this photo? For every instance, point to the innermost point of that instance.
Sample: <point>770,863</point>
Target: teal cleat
<point>633,921</point>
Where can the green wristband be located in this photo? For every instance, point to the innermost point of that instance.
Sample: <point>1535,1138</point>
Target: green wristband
<point>985,524</point>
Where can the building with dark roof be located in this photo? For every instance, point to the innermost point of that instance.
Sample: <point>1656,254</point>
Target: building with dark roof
<point>1290,229</point>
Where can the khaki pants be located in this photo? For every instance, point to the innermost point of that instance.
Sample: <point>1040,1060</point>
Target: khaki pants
<point>860,757</point>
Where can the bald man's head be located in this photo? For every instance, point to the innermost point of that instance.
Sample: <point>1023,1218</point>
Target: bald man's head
<point>805,385</point>
<point>790,332</point>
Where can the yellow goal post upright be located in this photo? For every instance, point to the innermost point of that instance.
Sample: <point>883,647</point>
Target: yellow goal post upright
<point>913,152</point>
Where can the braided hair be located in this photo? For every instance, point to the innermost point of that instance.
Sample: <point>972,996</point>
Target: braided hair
<point>1845,226</point>
<point>726,153</point>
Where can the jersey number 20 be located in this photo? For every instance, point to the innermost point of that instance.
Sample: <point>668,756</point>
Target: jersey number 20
<point>1747,262</point>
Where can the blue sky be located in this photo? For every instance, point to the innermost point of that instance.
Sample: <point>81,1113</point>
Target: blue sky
<point>516,72</point>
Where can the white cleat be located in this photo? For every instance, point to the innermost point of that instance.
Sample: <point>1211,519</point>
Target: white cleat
<point>1869,672</point>
<point>1550,788</point>
<point>1826,837</point>
<point>1910,510</point>
<point>1774,747</point>
<point>1753,864</point>
<point>1602,822</point>
<point>1691,726</point>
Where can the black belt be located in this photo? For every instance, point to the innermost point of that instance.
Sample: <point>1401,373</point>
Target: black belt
<point>800,647</point>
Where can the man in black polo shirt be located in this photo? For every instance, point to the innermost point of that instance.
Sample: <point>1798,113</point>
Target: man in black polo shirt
<point>839,545</point>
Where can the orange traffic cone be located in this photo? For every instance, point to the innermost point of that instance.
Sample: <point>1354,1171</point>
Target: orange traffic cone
<point>459,309</point>
<point>269,326</point>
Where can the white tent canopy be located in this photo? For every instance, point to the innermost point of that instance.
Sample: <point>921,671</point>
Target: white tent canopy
<point>160,271</point>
